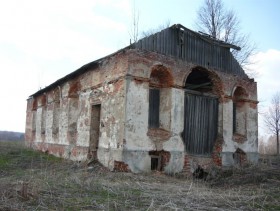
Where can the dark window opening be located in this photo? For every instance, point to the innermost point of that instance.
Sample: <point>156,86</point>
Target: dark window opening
<point>160,84</point>
<point>154,163</point>
<point>199,80</point>
<point>159,159</point>
<point>154,102</point>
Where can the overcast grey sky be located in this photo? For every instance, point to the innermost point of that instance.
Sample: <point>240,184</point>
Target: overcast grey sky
<point>41,41</point>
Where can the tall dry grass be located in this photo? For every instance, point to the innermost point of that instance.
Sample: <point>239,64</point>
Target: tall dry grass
<point>32,180</point>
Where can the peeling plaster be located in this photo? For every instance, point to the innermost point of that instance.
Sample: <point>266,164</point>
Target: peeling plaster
<point>61,123</point>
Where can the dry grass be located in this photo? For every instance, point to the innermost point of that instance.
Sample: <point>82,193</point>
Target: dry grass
<point>35,181</point>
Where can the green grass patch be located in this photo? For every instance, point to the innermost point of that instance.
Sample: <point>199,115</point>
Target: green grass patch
<point>15,155</point>
<point>4,161</point>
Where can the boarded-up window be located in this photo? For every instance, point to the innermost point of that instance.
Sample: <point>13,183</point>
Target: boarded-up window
<point>201,124</point>
<point>154,102</point>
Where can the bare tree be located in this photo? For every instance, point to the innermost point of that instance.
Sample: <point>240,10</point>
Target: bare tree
<point>133,32</point>
<point>149,32</point>
<point>272,118</point>
<point>261,147</point>
<point>214,19</point>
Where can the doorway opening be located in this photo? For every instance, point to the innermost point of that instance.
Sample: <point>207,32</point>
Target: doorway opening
<point>201,113</point>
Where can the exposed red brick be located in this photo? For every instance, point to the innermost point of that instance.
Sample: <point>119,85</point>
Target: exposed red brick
<point>216,155</point>
<point>34,104</point>
<point>161,77</point>
<point>158,134</point>
<point>171,73</point>
<point>253,105</point>
<point>218,86</point>
<point>239,138</point>
<point>75,86</point>
<point>138,81</point>
<point>43,100</point>
<point>118,85</point>
<point>164,157</point>
<point>240,157</point>
<point>56,149</point>
<point>121,166</point>
<point>240,93</point>
<point>77,150</point>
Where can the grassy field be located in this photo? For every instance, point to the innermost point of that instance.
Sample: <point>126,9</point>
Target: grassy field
<point>32,180</point>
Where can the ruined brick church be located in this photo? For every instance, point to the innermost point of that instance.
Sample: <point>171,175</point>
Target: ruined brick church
<point>169,102</point>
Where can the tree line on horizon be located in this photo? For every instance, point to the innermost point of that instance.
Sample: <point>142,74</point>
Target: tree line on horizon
<point>11,136</point>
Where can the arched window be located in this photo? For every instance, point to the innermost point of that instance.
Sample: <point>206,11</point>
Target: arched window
<point>199,80</point>
<point>159,97</point>
<point>239,113</point>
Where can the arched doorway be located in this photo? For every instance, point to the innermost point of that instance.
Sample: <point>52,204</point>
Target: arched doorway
<point>201,112</point>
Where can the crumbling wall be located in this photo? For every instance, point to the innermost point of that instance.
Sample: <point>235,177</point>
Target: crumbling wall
<point>248,141</point>
<point>29,123</point>
<point>136,142</point>
<point>111,139</point>
<point>58,121</point>
<point>140,139</point>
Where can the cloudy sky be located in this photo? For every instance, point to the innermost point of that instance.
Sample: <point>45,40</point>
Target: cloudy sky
<point>41,41</point>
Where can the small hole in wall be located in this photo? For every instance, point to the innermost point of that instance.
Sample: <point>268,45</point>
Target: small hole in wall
<point>200,173</point>
<point>239,157</point>
<point>154,163</point>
